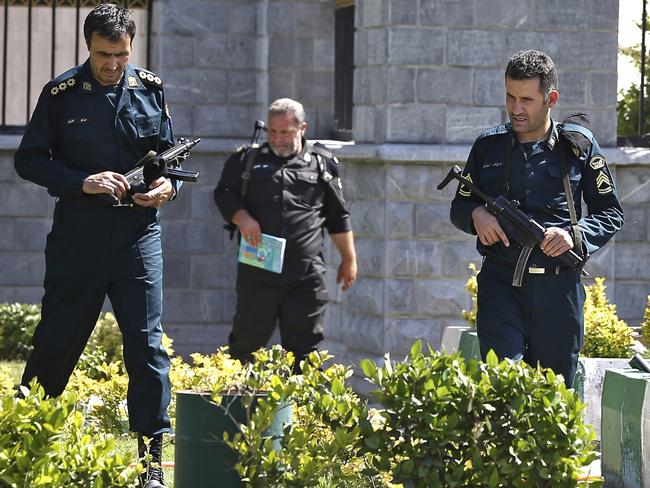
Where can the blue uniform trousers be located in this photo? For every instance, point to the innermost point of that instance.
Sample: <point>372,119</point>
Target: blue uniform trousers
<point>93,252</point>
<point>540,322</point>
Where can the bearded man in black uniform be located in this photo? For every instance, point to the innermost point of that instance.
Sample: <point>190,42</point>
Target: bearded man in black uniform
<point>294,192</point>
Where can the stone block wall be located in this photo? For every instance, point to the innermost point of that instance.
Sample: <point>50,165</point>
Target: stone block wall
<point>224,61</point>
<point>431,71</point>
<point>413,264</point>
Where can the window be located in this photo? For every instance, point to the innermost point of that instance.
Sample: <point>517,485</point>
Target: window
<point>39,39</point>
<point>343,69</point>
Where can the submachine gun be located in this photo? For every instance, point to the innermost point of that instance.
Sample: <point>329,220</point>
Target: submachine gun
<point>516,224</point>
<point>152,166</point>
<point>251,155</point>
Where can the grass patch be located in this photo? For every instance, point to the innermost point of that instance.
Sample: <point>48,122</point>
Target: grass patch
<point>15,369</point>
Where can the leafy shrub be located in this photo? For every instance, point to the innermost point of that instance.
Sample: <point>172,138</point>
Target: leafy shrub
<point>104,346</point>
<point>472,288</point>
<point>606,335</point>
<point>321,447</point>
<point>102,396</point>
<point>17,324</point>
<point>629,100</point>
<point>645,325</point>
<point>7,381</point>
<point>44,443</point>
<point>493,424</point>
<point>19,320</point>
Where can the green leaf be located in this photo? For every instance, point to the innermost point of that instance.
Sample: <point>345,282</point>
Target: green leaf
<point>416,349</point>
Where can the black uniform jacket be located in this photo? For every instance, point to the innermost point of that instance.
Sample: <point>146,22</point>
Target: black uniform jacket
<point>295,198</point>
<point>77,130</point>
<point>535,181</point>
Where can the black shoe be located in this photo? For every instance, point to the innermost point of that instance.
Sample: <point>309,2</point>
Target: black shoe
<point>153,475</point>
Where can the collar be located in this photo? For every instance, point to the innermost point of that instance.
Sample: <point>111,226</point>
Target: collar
<point>553,136</point>
<point>88,84</point>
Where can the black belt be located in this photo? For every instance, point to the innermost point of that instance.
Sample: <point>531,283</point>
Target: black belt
<point>532,269</point>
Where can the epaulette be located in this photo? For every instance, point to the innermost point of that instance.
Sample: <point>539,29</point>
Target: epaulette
<point>494,131</point>
<point>64,81</point>
<point>149,78</point>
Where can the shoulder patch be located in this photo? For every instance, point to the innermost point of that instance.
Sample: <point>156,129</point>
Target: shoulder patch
<point>149,78</point>
<point>494,131</point>
<point>597,162</point>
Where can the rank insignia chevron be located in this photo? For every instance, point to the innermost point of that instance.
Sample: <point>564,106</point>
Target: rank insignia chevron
<point>603,183</point>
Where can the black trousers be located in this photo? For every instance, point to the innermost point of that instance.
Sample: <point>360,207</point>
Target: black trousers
<point>541,322</point>
<point>264,301</point>
<point>91,253</point>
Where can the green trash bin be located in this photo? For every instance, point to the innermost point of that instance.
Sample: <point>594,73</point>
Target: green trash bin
<point>202,459</point>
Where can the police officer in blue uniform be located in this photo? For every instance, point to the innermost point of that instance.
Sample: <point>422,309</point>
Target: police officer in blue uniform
<point>548,167</point>
<point>294,192</point>
<point>90,126</point>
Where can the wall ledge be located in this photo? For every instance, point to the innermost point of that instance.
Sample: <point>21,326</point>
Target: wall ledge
<point>389,152</point>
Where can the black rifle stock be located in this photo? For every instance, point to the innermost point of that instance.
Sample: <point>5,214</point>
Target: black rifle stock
<point>152,166</point>
<point>516,224</point>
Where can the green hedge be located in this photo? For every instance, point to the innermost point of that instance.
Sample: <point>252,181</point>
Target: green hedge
<point>44,442</point>
<point>440,422</point>
<point>19,320</point>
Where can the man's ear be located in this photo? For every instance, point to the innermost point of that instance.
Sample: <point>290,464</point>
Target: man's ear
<point>303,127</point>
<point>553,98</point>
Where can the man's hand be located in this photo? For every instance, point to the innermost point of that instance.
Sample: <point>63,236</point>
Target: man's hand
<point>106,182</point>
<point>161,191</point>
<point>487,227</point>
<point>248,227</point>
<point>556,242</point>
<point>347,273</point>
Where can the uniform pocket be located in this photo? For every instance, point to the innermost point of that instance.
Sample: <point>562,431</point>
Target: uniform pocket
<point>78,131</point>
<point>148,126</point>
<point>307,186</point>
<point>554,171</point>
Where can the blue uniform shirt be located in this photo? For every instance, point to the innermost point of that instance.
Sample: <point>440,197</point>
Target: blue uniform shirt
<point>80,127</point>
<point>535,181</point>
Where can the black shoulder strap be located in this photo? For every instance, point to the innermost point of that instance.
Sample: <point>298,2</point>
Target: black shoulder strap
<point>251,156</point>
<point>577,237</point>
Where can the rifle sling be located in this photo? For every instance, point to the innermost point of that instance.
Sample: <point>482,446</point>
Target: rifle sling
<point>251,156</point>
<point>577,236</point>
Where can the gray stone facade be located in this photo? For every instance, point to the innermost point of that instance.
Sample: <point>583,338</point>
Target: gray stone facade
<point>431,71</point>
<point>427,81</point>
<point>223,61</point>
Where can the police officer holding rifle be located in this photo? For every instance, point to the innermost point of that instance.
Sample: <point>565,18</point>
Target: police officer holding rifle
<point>90,127</point>
<point>531,231</point>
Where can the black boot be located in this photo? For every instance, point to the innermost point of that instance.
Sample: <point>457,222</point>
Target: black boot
<point>153,475</point>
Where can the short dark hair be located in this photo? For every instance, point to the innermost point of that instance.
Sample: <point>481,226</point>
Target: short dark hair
<point>530,64</point>
<point>109,21</point>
